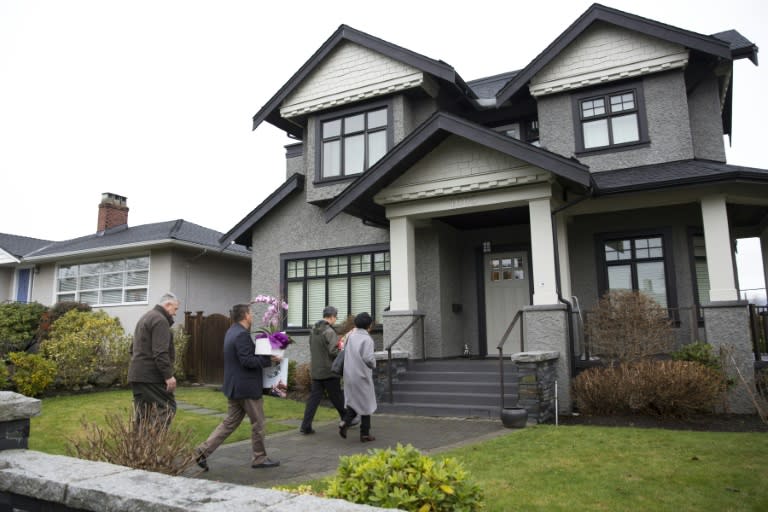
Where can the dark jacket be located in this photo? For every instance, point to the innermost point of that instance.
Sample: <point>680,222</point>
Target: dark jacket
<point>242,367</point>
<point>323,350</point>
<point>152,350</point>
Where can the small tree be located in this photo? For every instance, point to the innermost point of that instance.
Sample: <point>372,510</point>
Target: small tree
<point>18,325</point>
<point>628,326</point>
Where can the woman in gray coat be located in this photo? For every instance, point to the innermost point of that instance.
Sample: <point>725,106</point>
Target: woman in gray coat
<point>359,394</point>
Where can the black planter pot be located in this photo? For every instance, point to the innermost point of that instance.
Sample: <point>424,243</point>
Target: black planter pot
<point>514,417</point>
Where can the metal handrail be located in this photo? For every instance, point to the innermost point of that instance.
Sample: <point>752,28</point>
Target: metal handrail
<point>500,348</point>
<point>389,352</point>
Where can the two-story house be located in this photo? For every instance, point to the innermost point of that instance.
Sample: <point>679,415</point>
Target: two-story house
<point>600,165</point>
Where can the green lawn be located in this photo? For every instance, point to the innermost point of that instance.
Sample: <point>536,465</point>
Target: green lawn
<point>540,468</point>
<point>60,417</point>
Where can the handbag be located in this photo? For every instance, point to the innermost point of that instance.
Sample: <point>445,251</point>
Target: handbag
<point>337,366</point>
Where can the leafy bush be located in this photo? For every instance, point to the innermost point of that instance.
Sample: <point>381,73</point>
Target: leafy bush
<point>146,445</point>
<point>87,346</point>
<point>32,373</point>
<point>404,478</point>
<point>665,388</point>
<point>700,352</point>
<point>4,376</point>
<point>54,313</point>
<point>628,326</point>
<point>180,343</point>
<point>18,325</point>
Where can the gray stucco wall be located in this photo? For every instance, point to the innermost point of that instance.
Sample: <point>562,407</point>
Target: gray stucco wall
<point>669,128</point>
<point>706,122</point>
<point>296,226</point>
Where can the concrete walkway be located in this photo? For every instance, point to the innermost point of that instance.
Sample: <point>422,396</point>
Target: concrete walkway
<point>305,458</point>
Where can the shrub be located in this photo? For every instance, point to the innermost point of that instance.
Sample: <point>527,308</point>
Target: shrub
<point>665,388</point>
<point>628,326</point>
<point>302,378</point>
<point>700,352</point>
<point>32,373</point>
<point>4,376</point>
<point>146,445</point>
<point>86,346</point>
<point>54,313</point>
<point>292,364</point>
<point>180,342</point>
<point>404,478</point>
<point>18,325</point>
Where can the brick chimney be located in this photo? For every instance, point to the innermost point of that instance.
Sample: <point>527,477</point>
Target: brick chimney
<point>113,211</point>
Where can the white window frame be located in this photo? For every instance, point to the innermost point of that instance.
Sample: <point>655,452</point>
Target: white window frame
<point>82,271</point>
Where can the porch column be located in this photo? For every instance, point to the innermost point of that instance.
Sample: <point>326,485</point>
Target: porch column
<point>564,257</point>
<point>542,252</point>
<point>764,254</point>
<point>717,240</point>
<point>402,248</point>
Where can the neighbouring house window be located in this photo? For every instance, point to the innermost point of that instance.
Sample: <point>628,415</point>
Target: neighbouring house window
<point>609,119</point>
<point>529,129</point>
<point>352,283</point>
<point>637,264</point>
<point>101,283</point>
<point>352,142</point>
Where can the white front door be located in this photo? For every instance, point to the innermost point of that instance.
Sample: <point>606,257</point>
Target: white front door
<point>507,291</point>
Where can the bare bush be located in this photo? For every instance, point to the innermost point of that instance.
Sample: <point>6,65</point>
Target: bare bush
<point>663,388</point>
<point>147,445</point>
<point>303,379</point>
<point>629,326</point>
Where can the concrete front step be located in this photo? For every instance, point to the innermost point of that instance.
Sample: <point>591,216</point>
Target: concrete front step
<point>455,376</point>
<point>446,410</point>
<point>452,386</point>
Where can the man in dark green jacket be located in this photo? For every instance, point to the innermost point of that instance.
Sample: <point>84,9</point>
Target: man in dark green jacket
<point>150,372</point>
<point>323,347</point>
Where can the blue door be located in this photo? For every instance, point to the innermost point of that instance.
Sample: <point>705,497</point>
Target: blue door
<point>22,287</point>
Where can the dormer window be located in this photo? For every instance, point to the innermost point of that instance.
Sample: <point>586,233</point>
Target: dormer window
<point>609,119</point>
<point>352,141</point>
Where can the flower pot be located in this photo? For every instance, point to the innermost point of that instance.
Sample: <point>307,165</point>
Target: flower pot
<point>514,417</point>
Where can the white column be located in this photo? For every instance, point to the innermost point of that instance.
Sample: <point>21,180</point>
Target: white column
<point>764,254</point>
<point>402,249</point>
<point>542,252</point>
<point>717,239</point>
<point>563,257</point>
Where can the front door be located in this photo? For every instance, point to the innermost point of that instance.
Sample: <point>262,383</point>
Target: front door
<point>507,291</point>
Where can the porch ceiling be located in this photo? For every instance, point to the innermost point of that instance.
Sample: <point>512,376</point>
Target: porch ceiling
<point>488,219</point>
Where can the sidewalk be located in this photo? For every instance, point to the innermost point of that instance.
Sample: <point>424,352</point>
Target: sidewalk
<point>314,456</point>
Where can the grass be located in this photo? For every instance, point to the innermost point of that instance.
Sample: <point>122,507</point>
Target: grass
<point>61,416</point>
<point>547,468</point>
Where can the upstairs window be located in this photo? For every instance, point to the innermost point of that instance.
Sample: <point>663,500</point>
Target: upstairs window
<point>610,119</point>
<point>352,142</point>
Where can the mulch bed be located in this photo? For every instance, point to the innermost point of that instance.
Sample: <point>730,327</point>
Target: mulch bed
<point>702,423</point>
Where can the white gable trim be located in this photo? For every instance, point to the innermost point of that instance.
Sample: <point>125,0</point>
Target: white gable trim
<point>351,73</point>
<point>6,257</point>
<point>606,53</point>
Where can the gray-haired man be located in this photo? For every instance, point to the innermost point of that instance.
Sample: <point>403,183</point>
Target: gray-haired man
<point>152,358</point>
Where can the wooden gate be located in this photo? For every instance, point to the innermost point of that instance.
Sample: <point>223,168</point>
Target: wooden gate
<point>205,359</point>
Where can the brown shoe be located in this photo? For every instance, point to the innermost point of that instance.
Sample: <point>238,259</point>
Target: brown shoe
<point>367,439</point>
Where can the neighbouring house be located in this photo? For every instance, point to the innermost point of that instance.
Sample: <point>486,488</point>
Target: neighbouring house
<point>599,165</point>
<point>124,270</point>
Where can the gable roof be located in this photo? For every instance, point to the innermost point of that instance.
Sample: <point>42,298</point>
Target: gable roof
<point>241,232</point>
<point>18,246</point>
<point>175,232</point>
<point>270,112</point>
<point>357,198</point>
<point>596,12</point>
<point>671,174</point>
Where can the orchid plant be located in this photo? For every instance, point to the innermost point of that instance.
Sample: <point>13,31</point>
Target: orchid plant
<point>272,321</point>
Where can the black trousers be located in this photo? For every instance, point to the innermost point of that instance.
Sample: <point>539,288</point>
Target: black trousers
<point>365,421</point>
<point>320,387</point>
<point>152,401</point>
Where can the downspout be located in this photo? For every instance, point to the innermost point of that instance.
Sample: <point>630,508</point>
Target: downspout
<point>568,305</point>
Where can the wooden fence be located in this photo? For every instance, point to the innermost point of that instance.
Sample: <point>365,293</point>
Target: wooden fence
<point>205,360</point>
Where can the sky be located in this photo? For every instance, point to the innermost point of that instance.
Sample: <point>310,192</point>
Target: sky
<point>153,100</point>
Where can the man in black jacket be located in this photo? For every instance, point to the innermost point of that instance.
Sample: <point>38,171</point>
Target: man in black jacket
<point>243,387</point>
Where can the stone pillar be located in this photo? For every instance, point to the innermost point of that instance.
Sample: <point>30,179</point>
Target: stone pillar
<point>15,412</point>
<point>411,342</point>
<point>546,330</point>
<point>727,328</point>
<point>537,372</point>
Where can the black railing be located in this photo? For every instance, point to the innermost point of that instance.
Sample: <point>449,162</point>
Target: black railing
<point>758,327</point>
<point>389,352</point>
<point>500,347</point>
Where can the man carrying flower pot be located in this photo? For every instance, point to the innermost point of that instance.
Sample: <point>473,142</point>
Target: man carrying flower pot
<point>323,347</point>
<point>243,387</point>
